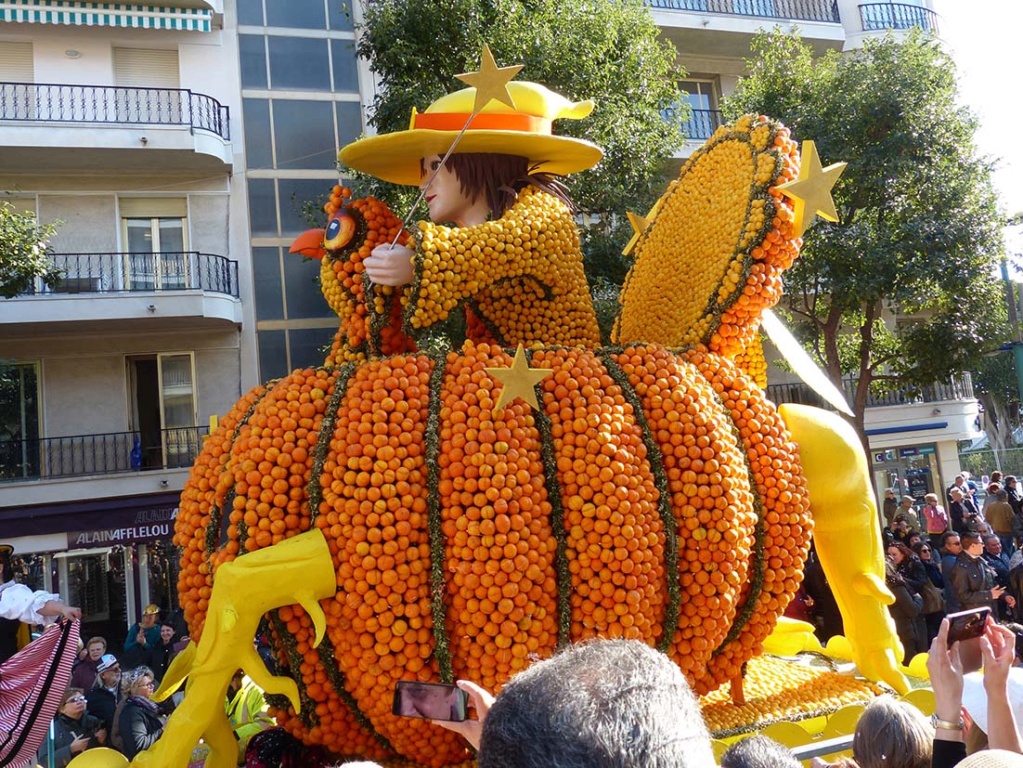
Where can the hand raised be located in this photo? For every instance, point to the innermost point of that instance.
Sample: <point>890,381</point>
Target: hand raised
<point>390,265</point>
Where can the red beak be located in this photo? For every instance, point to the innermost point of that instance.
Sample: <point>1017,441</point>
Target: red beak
<point>309,243</point>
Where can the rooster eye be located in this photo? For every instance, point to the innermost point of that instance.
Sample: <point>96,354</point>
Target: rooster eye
<point>339,231</point>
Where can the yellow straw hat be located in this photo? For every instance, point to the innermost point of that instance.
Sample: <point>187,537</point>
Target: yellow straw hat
<point>524,131</point>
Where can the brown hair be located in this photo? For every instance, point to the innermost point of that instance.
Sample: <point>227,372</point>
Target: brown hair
<point>892,734</point>
<point>499,178</point>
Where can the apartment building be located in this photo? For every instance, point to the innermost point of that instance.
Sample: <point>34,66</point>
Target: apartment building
<point>913,436</point>
<point>178,146</point>
<point>117,122</point>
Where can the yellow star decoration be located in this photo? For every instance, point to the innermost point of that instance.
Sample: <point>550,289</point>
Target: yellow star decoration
<point>811,192</point>
<point>518,380</point>
<point>491,82</point>
<point>640,223</point>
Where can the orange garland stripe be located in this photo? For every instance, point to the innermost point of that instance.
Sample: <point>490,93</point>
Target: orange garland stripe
<point>486,121</point>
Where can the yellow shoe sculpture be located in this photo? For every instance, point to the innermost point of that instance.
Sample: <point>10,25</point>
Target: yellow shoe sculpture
<point>298,571</point>
<point>847,537</point>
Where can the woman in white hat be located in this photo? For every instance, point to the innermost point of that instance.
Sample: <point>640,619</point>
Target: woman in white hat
<point>513,255</point>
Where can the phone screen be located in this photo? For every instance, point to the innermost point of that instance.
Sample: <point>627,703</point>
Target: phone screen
<point>434,701</point>
<point>967,625</point>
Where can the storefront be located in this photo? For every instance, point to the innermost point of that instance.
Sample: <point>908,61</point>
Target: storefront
<point>111,557</point>
<point>912,470</point>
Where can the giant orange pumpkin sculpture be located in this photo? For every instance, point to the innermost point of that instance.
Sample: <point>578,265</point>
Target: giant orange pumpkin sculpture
<point>654,493</point>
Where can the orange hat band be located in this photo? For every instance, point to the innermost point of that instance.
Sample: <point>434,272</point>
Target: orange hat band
<point>487,121</point>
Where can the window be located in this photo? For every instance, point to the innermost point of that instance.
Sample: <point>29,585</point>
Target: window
<point>704,117</point>
<point>157,72</point>
<point>154,233</point>
<point>19,420</point>
<point>17,71</point>
<point>162,402</point>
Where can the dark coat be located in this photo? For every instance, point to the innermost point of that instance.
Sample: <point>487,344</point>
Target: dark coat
<point>909,623</point>
<point>140,728</point>
<point>972,581</point>
<point>1000,565</point>
<point>101,703</point>
<point>66,730</point>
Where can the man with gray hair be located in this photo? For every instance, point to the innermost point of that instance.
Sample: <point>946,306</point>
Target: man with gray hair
<point>600,704</point>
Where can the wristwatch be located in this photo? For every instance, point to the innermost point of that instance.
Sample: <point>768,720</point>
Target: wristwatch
<point>947,724</point>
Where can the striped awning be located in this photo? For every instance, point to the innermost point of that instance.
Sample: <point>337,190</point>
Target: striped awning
<point>106,15</point>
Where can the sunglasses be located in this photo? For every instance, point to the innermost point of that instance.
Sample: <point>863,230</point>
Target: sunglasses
<point>75,700</point>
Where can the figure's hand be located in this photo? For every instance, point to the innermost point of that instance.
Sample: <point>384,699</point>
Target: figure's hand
<point>101,735</point>
<point>1010,601</point>
<point>390,265</point>
<point>481,700</point>
<point>80,744</point>
<point>71,612</point>
<point>946,672</point>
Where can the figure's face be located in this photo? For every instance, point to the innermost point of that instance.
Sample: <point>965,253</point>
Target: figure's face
<point>953,545</point>
<point>148,620</point>
<point>96,650</point>
<point>444,197</point>
<point>895,555</point>
<point>166,633</point>
<point>925,552</point>
<point>993,546</point>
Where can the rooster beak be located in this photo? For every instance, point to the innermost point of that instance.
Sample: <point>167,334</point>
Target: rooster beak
<point>309,243</point>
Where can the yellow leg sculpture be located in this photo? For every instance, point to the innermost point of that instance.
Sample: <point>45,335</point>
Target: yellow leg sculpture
<point>847,537</point>
<point>296,571</point>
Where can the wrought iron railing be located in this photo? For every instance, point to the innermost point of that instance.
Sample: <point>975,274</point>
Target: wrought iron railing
<point>701,123</point>
<point>954,388</point>
<point>142,273</point>
<point>103,454</point>
<point>878,16</point>
<point>800,10</point>
<point>110,104</point>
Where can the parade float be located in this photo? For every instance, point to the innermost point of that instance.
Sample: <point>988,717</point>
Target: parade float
<point>398,514</point>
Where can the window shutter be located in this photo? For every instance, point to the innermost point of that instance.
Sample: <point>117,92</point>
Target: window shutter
<point>153,207</point>
<point>146,68</point>
<point>16,63</point>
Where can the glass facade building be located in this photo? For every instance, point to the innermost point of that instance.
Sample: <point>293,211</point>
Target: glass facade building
<point>300,103</point>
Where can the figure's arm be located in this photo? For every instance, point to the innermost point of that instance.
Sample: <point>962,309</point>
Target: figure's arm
<point>19,603</point>
<point>452,264</point>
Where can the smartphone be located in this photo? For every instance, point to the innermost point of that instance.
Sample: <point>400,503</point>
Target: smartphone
<point>433,701</point>
<point>967,625</point>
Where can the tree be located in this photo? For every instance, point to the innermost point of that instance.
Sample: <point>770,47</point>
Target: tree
<point>902,291</point>
<point>24,253</point>
<point>605,50</point>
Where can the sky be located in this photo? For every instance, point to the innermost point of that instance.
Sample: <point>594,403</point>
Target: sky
<point>984,37</point>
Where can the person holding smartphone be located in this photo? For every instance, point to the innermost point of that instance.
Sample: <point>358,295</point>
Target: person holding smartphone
<point>947,663</point>
<point>972,579</point>
<point>74,731</point>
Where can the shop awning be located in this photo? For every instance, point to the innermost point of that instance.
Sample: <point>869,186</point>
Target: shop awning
<point>106,15</point>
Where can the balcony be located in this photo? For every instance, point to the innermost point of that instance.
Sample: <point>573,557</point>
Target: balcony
<point>51,458</point>
<point>725,28</point>
<point>97,290</point>
<point>884,16</point>
<point>701,123</point>
<point>794,10</point>
<point>122,128</point>
<point>956,388</point>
